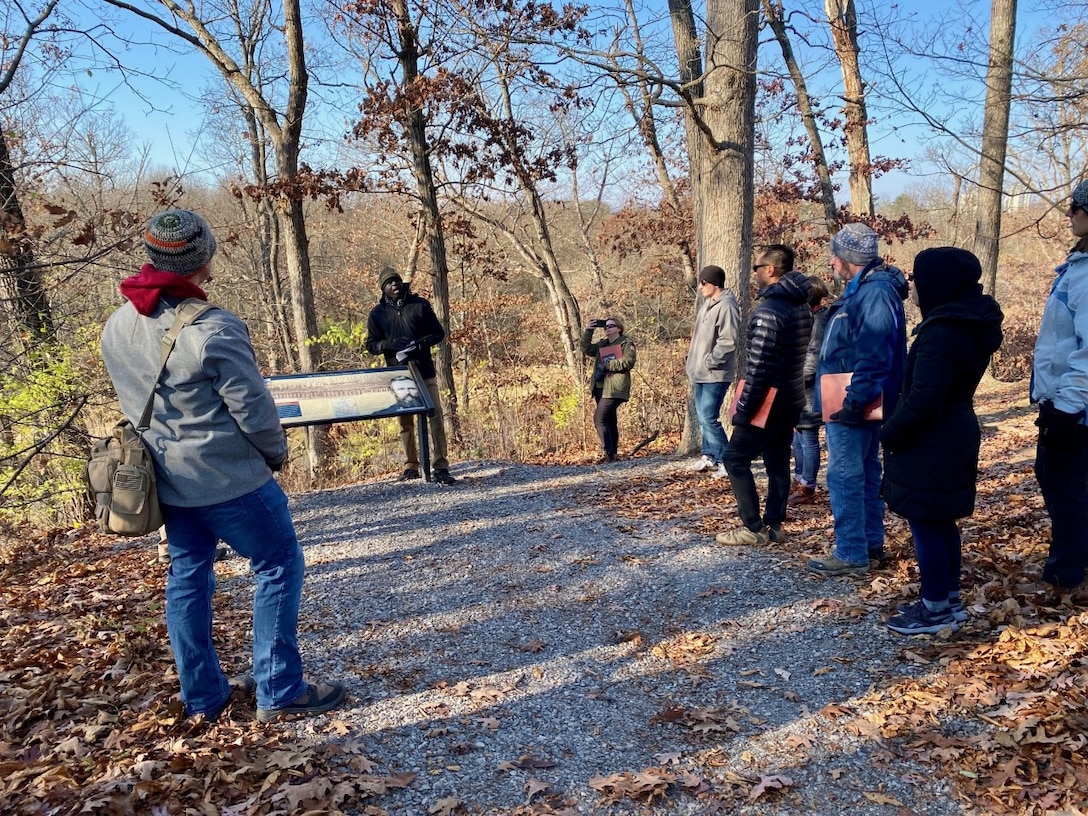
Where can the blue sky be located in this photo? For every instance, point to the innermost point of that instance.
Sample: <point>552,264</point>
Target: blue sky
<point>172,122</point>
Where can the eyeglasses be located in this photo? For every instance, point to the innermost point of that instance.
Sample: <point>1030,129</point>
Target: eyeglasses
<point>757,267</point>
<point>611,326</point>
<point>1074,207</point>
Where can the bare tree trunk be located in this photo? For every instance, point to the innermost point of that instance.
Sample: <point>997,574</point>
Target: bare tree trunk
<point>843,18</point>
<point>995,139</point>
<point>285,132</point>
<point>268,234</point>
<point>719,118</point>
<point>416,131</point>
<point>773,11</point>
<point>23,280</point>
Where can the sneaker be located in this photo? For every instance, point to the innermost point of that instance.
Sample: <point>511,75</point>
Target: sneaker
<point>774,533</point>
<point>317,700</point>
<point>743,536</point>
<point>801,495</point>
<point>959,612</point>
<point>830,565</point>
<point>878,559</point>
<point>443,477</point>
<point>719,473</point>
<point>408,475</point>
<point>918,619</point>
<point>704,462</point>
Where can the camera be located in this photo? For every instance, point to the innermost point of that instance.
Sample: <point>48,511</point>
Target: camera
<point>598,324</point>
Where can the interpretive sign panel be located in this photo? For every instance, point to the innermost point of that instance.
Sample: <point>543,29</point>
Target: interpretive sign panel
<point>342,396</point>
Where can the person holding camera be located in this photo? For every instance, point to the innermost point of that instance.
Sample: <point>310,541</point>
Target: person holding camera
<point>614,358</point>
<point>1059,386</point>
<point>404,328</point>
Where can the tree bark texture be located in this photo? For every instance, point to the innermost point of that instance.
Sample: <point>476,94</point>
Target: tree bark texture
<point>843,19</point>
<point>995,139</point>
<point>24,282</point>
<point>416,130</point>
<point>720,127</point>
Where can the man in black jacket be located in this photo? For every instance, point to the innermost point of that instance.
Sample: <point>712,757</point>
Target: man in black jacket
<point>771,395</point>
<point>404,328</point>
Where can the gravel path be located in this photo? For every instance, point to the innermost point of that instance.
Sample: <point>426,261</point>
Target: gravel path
<point>507,640</point>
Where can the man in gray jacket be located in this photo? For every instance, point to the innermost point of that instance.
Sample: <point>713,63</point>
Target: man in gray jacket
<point>710,364</point>
<point>215,439</point>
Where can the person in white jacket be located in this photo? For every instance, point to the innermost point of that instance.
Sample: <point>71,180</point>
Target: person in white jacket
<point>710,364</point>
<point>1059,386</point>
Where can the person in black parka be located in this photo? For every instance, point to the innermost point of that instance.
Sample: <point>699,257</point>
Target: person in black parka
<point>931,441</point>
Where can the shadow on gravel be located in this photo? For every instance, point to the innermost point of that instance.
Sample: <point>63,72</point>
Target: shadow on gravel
<point>509,620</point>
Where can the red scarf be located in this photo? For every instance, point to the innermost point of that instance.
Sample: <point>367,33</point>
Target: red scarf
<point>145,289</point>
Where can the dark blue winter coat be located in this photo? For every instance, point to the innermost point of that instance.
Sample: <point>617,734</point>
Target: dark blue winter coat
<point>866,334</point>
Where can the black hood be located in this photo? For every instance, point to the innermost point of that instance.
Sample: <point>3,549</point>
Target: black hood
<point>945,274</point>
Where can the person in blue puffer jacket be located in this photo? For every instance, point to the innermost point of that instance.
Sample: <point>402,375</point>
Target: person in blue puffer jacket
<point>866,335</point>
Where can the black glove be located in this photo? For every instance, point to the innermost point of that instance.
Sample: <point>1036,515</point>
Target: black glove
<point>276,467</point>
<point>849,414</point>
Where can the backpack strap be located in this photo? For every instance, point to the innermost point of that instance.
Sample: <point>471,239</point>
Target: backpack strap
<point>186,313</point>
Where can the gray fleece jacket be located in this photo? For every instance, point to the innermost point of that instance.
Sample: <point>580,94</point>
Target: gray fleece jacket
<point>214,431</point>
<point>713,353</point>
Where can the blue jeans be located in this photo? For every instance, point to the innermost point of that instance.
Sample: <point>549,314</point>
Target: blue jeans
<point>853,484</point>
<point>937,545</point>
<point>708,408</point>
<point>258,526</point>
<point>806,455</point>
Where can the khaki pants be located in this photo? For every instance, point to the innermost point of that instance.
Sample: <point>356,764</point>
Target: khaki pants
<point>438,433</point>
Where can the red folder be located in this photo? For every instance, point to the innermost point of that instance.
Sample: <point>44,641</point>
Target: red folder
<point>759,419</point>
<point>606,353</point>
<point>833,395</point>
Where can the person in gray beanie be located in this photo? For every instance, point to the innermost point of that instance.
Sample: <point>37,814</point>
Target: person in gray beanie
<point>215,439</point>
<point>866,337</point>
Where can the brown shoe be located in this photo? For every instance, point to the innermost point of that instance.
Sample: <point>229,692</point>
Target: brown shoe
<point>801,495</point>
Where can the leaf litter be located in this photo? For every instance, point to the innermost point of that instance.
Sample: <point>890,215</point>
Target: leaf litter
<point>760,690</point>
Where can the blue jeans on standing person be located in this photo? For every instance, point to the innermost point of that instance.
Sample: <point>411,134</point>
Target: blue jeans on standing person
<point>258,526</point>
<point>806,455</point>
<point>708,408</point>
<point>853,485</point>
<point>937,545</point>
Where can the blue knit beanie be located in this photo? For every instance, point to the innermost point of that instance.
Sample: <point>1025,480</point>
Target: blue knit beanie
<point>855,244</point>
<point>1080,195</point>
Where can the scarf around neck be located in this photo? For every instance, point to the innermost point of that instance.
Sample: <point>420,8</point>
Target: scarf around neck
<point>145,289</point>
